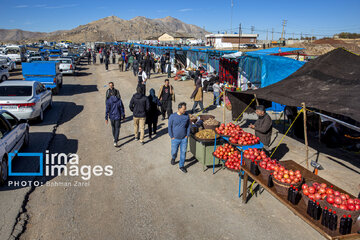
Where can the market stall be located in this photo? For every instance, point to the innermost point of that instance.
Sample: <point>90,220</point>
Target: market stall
<point>318,202</point>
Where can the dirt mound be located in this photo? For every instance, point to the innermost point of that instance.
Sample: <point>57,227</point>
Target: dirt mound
<point>328,41</point>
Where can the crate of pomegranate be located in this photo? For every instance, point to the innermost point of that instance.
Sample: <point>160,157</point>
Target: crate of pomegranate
<point>230,156</point>
<point>332,198</point>
<point>285,178</point>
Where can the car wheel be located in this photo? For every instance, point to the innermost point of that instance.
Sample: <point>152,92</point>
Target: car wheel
<point>3,171</point>
<point>3,78</point>
<point>55,90</point>
<point>41,116</point>
<point>50,103</point>
<point>26,139</point>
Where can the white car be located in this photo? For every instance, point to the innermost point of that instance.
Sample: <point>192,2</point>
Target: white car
<point>25,99</point>
<point>67,66</point>
<point>10,64</point>
<point>14,134</point>
<point>4,74</point>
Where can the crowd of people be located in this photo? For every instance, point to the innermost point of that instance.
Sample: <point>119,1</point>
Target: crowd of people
<point>147,109</point>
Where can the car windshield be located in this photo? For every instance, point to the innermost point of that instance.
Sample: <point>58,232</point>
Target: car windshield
<point>15,91</point>
<point>12,51</point>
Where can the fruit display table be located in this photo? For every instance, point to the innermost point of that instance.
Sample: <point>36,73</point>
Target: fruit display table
<point>240,148</point>
<point>301,208</point>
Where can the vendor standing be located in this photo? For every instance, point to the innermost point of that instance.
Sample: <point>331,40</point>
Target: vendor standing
<point>263,126</point>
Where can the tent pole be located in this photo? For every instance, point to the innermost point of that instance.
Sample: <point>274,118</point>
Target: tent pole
<point>305,135</point>
<point>257,101</point>
<point>320,128</point>
<point>224,107</point>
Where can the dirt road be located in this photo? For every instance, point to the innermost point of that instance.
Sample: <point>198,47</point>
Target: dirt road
<point>146,197</point>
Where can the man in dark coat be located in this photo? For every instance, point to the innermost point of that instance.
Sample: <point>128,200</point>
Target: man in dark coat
<point>263,126</point>
<point>115,111</point>
<point>112,91</point>
<point>107,61</point>
<point>153,114</point>
<point>166,96</point>
<point>139,105</point>
<point>163,63</point>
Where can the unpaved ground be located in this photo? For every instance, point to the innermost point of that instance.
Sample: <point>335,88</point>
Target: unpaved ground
<point>147,198</point>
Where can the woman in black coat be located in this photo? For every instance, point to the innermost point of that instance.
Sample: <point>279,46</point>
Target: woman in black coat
<point>153,114</point>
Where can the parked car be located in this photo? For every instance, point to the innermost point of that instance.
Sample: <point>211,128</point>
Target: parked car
<point>249,45</point>
<point>35,58</point>
<point>65,52</point>
<point>10,64</point>
<point>25,99</point>
<point>14,134</point>
<point>4,74</point>
<point>67,66</point>
<point>46,72</point>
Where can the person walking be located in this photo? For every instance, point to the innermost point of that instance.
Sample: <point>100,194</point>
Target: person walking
<point>94,57</point>
<point>113,57</point>
<point>169,68</point>
<point>129,62</point>
<point>263,126</point>
<point>197,95</point>
<point>107,61</point>
<point>135,67</point>
<point>179,130</point>
<point>142,78</point>
<point>116,112</point>
<point>163,63</point>
<point>216,90</point>
<point>139,105</point>
<point>112,91</point>
<point>89,57</point>
<point>148,66</point>
<point>166,96</point>
<point>153,114</point>
<point>101,57</point>
<point>121,63</point>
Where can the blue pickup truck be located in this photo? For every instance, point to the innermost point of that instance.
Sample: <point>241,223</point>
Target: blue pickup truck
<point>46,72</point>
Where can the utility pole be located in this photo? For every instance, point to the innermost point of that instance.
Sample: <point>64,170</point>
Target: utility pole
<point>239,37</point>
<point>252,29</point>
<point>312,34</point>
<point>283,30</point>
<point>231,15</point>
<point>267,32</point>
<point>272,35</point>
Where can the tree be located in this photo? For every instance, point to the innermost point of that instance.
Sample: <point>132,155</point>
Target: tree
<point>349,35</point>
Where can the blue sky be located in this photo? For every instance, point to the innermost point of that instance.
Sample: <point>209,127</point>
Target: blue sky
<point>319,17</point>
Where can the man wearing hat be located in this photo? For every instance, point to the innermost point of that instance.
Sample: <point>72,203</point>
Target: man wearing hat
<point>263,126</point>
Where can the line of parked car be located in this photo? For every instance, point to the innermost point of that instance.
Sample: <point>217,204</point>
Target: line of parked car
<point>27,99</point>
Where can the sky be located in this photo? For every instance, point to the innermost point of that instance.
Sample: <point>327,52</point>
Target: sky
<point>307,17</point>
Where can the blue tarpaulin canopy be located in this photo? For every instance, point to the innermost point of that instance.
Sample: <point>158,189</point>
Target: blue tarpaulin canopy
<point>275,50</point>
<point>264,70</point>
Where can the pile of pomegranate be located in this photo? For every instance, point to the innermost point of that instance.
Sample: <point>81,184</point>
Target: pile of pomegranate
<point>339,200</point>
<point>284,175</point>
<point>230,154</point>
<point>237,134</point>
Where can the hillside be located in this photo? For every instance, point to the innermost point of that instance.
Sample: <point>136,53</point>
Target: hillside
<point>108,29</point>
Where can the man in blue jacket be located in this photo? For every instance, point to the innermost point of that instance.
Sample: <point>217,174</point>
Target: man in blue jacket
<point>115,111</point>
<point>179,130</point>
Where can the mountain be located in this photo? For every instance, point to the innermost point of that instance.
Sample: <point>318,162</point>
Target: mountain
<point>17,34</point>
<point>110,28</point>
